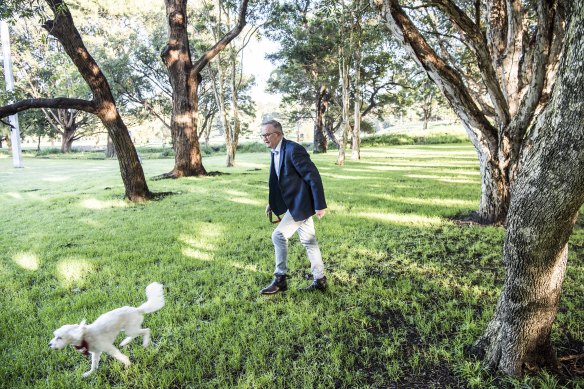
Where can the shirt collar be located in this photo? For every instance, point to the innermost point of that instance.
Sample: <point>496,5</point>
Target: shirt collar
<point>279,147</point>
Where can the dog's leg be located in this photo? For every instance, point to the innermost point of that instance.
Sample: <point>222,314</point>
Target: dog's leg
<point>145,332</point>
<point>126,341</point>
<point>94,363</point>
<point>117,354</point>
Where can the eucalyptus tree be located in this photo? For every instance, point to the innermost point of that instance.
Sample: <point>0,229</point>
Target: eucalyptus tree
<point>310,72</point>
<point>185,77</point>
<point>43,69</point>
<point>230,86</point>
<point>130,59</point>
<point>306,72</point>
<point>495,62</point>
<point>102,104</point>
<point>545,201</point>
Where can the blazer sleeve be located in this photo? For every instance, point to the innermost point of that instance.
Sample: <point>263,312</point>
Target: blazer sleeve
<point>309,173</point>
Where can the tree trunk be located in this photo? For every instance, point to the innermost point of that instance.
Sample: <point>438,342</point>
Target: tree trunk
<point>356,138</point>
<point>346,126</point>
<point>185,77</point>
<point>232,149</point>
<point>63,28</point>
<point>110,151</point>
<point>67,138</point>
<point>320,142</point>
<point>545,200</point>
<point>185,83</point>
<point>516,60</point>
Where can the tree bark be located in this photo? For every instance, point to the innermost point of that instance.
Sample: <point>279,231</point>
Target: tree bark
<point>357,44</point>
<point>517,65</point>
<point>103,105</point>
<point>346,126</point>
<point>185,77</point>
<point>320,141</point>
<point>545,200</point>
<point>67,138</point>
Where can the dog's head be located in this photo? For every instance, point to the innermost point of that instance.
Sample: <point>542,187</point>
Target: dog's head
<point>68,334</point>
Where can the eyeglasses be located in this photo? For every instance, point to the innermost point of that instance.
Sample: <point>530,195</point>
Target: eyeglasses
<point>266,136</point>
<point>270,216</point>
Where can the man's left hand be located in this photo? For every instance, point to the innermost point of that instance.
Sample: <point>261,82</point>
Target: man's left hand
<point>320,213</point>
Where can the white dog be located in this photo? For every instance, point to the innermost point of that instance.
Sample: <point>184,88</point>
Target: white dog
<point>99,337</point>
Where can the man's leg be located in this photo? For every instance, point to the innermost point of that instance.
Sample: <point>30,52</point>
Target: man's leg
<point>307,235</point>
<point>286,228</point>
<point>308,239</point>
<point>280,236</point>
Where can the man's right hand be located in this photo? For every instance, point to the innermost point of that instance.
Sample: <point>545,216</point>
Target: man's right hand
<point>268,210</point>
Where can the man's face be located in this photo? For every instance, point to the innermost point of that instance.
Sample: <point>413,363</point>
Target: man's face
<point>270,137</point>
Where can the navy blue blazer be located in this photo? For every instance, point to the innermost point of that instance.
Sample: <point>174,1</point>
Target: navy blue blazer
<point>299,188</point>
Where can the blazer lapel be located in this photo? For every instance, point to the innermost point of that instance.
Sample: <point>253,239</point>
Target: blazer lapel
<point>282,156</point>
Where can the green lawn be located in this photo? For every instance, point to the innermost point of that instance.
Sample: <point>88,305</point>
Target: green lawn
<point>409,289</point>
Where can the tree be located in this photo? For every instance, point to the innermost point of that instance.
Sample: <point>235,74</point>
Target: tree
<point>102,105</point>
<point>545,200</point>
<point>228,82</point>
<point>185,77</point>
<point>499,49</point>
<point>307,73</point>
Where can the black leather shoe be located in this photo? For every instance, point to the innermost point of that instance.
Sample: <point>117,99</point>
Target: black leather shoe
<point>319,284</point>
<point>279,284</point>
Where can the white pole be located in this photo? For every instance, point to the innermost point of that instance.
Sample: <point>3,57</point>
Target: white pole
<point>15,130</point>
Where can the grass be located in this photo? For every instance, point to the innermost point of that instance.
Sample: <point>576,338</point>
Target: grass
<point>410,290</point>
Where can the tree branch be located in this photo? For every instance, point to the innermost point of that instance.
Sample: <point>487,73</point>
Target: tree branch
<point>479,44</point>
<point>59,103</point>
<point>446,78</point>
<point>213,51</point>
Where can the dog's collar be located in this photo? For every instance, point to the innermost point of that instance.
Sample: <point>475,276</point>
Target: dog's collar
<point>83,348</point>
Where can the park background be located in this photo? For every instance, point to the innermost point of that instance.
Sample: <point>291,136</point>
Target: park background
<point>414,279</point>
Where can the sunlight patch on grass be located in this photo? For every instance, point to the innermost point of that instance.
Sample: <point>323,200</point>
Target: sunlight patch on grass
<point>427,201</point>
<point>203,245</point>
<point>56,178</point>
<point>15,195</point>
<point>246,201</point>
<point>197,254</point>
<point>401,218</point>
<point>442,179</point>
<point>387,168</point>
<point>244,266</point>
<point>72,271</point>
<point>241,198</point>
<point>99,204</point>
<point>344,177</point>
<point>27,261</point>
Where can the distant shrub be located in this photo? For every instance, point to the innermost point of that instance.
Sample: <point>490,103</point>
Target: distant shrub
<point>403,139</point>
<point>254,147</point>
<point>47,152</point>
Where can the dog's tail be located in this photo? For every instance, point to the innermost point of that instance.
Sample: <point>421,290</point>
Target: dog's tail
<point>155,297</point>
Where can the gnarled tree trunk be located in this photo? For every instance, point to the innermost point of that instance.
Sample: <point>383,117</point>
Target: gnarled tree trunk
<point>185,77</point>
<point>516,58</point>
<point>103,105</point>
<point>545,199</point>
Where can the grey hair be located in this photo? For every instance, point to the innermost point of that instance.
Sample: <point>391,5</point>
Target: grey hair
<point>274,123</point>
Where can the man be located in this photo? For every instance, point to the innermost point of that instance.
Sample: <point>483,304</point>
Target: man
<point>295,191</point>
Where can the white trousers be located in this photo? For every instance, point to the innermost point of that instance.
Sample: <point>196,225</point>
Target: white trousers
<point>286,228</point>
